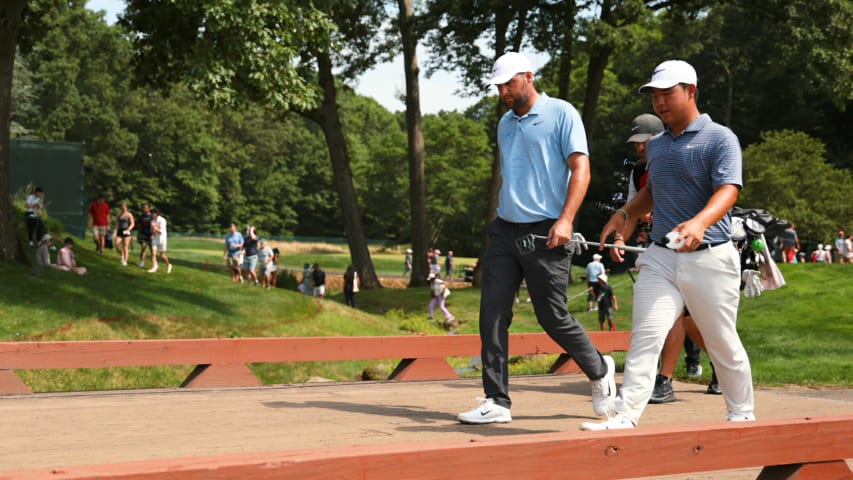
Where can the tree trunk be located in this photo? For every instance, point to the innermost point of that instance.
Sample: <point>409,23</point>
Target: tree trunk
<point>417,181</point>
<point>595,76</point>
<point>328,116</point>
<point>10,21</point>
<point>598,59</point>
<point>564,80</point>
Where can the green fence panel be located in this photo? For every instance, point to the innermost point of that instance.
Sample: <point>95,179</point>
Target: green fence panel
<point>57,167</point>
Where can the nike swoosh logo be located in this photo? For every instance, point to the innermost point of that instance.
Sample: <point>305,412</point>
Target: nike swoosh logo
<point>691,146</point>
<point>537,123</point>
<point>634,129</point>
<point>485,413</point>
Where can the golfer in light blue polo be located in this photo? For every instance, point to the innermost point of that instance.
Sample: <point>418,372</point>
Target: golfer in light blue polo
<point>545,170</point>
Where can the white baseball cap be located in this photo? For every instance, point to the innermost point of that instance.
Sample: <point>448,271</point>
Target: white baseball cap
<point>507,66</point>
<point>669,74</point>
<point>596,256</point>
<point>602,277</point>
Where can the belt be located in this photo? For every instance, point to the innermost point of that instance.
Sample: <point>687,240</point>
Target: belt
<point>702,246</point>
<point>526,225</point>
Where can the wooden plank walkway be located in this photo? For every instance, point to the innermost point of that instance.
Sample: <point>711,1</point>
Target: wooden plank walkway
<point>44,433</point>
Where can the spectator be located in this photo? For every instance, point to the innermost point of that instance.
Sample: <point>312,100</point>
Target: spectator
<point>790,244</point>
<point>124,226</point>
<point>819,254</point>
<point>67,261</point>
<point>265,262</point>
<point>436,262</point>
<point>143,234</point>
<point>99,220</point>
<point>607,303</point>
<point>32,215</point>
<point>407,265</point>
<point>159,241</point>
<point>250,252</point>
<point>448,265</point>
<point>593,270</point>
<point>438,293</point>
<point>43,251</point>
<point>234,253</point>
<point>841,247</point>
<point>274,276</point>
<point>848,243</point>
<point>307,278</point>
<point>351,284</point>
<point>318,277</point>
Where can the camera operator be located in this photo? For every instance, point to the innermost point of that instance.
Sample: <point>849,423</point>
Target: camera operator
<point>643,128</point>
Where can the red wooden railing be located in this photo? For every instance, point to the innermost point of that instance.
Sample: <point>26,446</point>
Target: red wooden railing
<point>223,362</point>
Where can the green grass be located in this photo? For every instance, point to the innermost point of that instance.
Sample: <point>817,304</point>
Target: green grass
<point>800,334</point>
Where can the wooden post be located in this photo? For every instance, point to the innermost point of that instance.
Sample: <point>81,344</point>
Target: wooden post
<point>11,384</point>
<point>834,470</point>
<point>221,375</point>
<point>423,369</point>
<point>565,365</point>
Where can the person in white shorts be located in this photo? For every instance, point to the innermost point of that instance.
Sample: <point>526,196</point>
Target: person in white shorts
<point>159,241</point>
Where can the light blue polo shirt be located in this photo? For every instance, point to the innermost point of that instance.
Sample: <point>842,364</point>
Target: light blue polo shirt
<point>231,240</point>
<point>684,170</point>
<point>534,159</point>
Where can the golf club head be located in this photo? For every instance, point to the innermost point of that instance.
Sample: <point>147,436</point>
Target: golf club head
<point>526,244</point>
<point>578,239</point>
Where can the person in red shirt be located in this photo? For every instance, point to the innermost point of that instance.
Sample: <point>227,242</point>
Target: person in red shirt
<point>99,220</point>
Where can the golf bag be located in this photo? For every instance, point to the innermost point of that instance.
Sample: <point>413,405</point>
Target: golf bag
<point>750,227</point>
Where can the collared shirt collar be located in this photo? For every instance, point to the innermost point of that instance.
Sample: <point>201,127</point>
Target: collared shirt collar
<point>535,109</point>
<point>697,124</point>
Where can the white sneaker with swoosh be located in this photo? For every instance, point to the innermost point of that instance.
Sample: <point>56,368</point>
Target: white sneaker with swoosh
<point>487,412</point>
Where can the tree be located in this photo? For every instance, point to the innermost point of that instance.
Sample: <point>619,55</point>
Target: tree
<point>555,34</point>
<point>10,22</point>
<point>774,65</point>
<point>83,93</point>
<point>178,164</point>
<point>267,52</point>
<point>377,150</point>
<point>356,24</point>
<point>602,37</point>
<point>414,130</point>
<point>787,174</point>
<point>459,164</point>
<point>23,98</point>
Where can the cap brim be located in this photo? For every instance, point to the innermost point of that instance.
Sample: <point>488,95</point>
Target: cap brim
<point>663,84</point>
<point>500,79</point>
<point>639,138</point>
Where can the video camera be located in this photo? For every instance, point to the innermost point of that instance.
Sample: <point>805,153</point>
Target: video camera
<point>618,198</point>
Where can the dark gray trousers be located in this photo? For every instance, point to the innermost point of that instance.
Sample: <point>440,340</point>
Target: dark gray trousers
<point>546,273</point>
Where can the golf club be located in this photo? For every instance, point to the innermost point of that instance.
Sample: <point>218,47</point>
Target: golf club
<point>527,244</point>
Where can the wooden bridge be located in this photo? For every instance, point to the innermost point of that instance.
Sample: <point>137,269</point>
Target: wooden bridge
<point>226,425</point>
